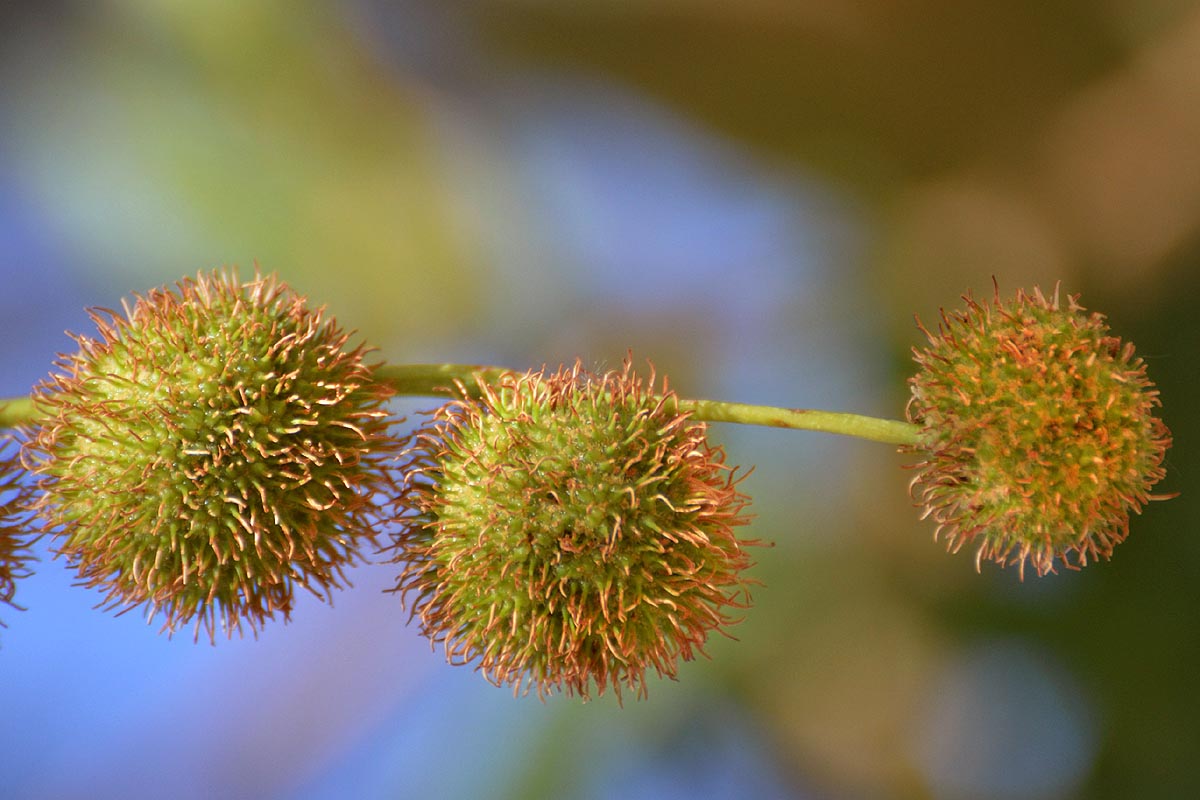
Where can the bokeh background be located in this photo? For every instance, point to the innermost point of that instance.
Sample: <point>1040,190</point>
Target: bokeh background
<point>757,196</point>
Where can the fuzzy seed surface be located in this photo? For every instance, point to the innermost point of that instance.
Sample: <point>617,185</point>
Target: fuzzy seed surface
<point>1040,433</point>
<point>572,532</point>
<point>212,450</point>
<point>14,519</point>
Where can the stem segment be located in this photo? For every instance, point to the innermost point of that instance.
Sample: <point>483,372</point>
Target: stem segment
<point>15,410</point>
<point>888,431</point>
<point>427,380</point>
<point>430,379</point>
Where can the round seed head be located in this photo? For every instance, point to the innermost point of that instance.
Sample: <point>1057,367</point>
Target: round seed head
<point>571,531</point>
<point>14,519</point>
<point>214,448</point>
<point>1039,434</point>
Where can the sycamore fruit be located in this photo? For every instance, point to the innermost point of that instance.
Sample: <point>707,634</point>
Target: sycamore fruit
<point>213,449</point>
<point>1039,432</point>
<point>571,531</point>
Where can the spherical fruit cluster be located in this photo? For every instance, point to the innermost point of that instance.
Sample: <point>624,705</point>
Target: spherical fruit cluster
<point>14,499</point>
<point>571,531</point>
<point>1039,432</point>
<point>215,448</point>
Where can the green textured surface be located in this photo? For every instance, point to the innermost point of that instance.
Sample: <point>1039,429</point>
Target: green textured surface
<point>574,532</point>
<point>212,452</point>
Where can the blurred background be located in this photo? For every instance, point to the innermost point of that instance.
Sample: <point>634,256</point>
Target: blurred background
<point>757,196</point>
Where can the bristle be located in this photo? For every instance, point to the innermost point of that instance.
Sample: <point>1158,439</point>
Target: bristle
<point>15,519</point>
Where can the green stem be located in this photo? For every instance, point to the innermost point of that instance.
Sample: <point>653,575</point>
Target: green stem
<point>427,380</point>
<point>15,410</point>
<point>889,431</point>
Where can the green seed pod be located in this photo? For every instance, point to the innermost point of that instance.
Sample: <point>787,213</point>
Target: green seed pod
<point>216,447</point>
<point>14,519</point>
<point>1039,433</point>
<point>571,530</point>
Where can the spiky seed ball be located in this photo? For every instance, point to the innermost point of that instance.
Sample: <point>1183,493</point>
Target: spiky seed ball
<point>215,448</point>
<point>571,531</point>
<point>1039,434</point>
<point>14,519</point>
